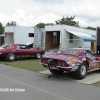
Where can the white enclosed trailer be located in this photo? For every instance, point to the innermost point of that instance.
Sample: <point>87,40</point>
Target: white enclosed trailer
<point>68,37</point>
<point>19,35</point>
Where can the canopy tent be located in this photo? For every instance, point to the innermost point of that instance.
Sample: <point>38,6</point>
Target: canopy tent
<point>83,36</point>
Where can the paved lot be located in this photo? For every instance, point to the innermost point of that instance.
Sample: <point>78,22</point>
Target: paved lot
<point>91,78</point>
<point>38,87</point>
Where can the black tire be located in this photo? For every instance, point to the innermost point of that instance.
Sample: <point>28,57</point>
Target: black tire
<point>54,71</point>
<point>82,71</point>
<point>38,55</point>
<point>11,57</point>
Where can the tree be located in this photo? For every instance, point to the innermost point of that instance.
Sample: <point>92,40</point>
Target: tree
<point>68,21</point>
<point>1,29</point>
<point>13,23</point>
<point>42,25</point>
<point>92,28</point>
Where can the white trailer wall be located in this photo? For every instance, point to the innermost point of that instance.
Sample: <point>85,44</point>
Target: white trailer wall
<point>77,42</point>
<point>18,35</point>
<point>64,36</point>
<point>21,35</point>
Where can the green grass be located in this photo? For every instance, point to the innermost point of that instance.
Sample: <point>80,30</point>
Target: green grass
<point>30,64</point>
<point>97,84</point>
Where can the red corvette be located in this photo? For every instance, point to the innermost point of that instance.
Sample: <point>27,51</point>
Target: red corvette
<point>77,60</point>
<point>13,51</point>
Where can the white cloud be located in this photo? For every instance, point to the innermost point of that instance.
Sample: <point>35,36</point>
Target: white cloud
<point>31,12</point>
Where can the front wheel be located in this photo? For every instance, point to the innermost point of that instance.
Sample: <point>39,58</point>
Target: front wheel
<point>38,55</point>
<point>82,71</point>
<point>54,71</point>
<point>11,57</point>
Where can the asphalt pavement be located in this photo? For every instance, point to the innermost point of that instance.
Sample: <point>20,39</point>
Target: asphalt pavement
<point>20,84</point>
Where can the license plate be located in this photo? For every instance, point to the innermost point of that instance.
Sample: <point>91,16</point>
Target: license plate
<point>53,67</point>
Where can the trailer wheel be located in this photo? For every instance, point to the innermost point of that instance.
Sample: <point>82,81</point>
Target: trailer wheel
<point>82,71</point>
<point>11,57</point>
<point>38,55</point>
<point>54,71</point>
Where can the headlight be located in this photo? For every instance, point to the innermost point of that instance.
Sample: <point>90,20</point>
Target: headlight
<point>0,53</point>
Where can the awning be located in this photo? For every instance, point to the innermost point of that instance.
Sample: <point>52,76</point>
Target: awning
<point>83,36</point>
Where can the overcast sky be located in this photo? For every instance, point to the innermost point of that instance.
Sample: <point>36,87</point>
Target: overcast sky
<point>31,12</point>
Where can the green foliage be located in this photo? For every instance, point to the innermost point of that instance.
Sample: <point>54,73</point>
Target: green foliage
<point>49,24</point>
<point>13,23</point>
<point>42,25</point>
<point>92,28</point>
<point>30,64</point>
<point>1,29</point>
<point>68,21</point>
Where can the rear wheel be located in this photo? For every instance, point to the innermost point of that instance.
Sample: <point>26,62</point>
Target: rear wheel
<point>54,71</point>
<point>38,55</point>
<point>11,57</point>
<point>82,71</point>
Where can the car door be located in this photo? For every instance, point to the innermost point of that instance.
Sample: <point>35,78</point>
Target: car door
<point>19,51</point>
<point>94,62</point>
<point>23,51</point>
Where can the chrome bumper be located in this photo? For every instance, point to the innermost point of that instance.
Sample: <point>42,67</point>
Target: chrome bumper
<point>59,66</point>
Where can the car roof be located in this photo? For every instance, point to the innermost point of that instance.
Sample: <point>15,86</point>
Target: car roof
<point>81,50</point>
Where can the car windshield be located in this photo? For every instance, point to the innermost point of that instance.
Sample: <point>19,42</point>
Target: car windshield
<point>6,46</point>
<point>69,51</point>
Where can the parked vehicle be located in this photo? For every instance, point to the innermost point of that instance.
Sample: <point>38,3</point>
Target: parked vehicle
<point>77,60</point>
<point>13,51</point>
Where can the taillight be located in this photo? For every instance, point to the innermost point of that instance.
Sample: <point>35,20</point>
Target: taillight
<point>44,61</point>
<point>74,62</point>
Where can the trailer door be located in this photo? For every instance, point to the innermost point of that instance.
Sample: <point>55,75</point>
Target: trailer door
<point>9,38</point>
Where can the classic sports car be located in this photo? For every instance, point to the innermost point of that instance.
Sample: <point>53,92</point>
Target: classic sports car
<point>13,51</point>
<point>76,60</point>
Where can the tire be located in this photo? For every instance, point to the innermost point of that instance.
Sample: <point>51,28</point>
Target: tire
<point>54,71</point>
<point>38,55</point>
<point>11,57</point>
<point>82,71</point>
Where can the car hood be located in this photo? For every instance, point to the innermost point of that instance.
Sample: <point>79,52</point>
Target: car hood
<point>1,48</point>
<point>60,56</point>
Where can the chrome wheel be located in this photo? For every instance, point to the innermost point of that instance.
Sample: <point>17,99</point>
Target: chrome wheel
<point>38,55</point>
<point>83,70</point>
<point>11,57</point>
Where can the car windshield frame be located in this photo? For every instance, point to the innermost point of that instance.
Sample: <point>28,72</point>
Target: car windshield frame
<point>88,53</point>
<point>69,51</point>
<point>6,46</point>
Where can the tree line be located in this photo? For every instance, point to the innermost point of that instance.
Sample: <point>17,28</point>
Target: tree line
<point>12,23</point>
<point>64,20</point>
